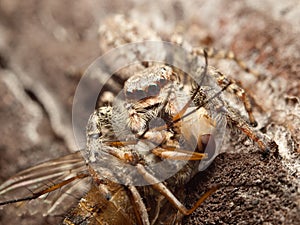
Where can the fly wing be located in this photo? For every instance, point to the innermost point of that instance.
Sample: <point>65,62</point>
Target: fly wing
<point>57,183</point>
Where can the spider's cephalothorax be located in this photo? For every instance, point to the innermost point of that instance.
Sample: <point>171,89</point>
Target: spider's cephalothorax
<point>149,111</point>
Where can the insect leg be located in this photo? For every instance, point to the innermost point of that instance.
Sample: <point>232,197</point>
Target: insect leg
<point>161,188</point>
<point>139,206</point>
<point>177,154</point>
<point>159,199</point>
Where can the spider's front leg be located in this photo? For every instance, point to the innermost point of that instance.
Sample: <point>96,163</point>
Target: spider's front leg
<point>163,190</point>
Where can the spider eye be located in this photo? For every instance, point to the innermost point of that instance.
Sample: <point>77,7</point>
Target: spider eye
<point>162,81</point>
<point>135,95</point>
<point>130,95</point>
<point>140,94</point>
<point>153,90</point>
<point>95,135</point>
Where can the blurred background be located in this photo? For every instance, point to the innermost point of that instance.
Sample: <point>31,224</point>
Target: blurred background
<point>45,46</point>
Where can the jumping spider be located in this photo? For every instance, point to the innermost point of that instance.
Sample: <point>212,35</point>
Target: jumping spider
<point>157,132</point>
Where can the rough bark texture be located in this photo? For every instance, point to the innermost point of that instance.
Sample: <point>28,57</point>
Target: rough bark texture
<point>43,44</point>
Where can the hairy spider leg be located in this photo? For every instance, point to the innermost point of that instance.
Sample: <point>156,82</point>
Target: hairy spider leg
<point>235,89</point>
<point>223,54</point>
<point>220,78</point>
<point>161,188</point>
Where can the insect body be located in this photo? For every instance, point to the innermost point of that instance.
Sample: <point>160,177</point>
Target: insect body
<point>106,203</point>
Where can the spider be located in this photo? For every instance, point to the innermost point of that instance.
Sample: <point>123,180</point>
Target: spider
<point>154,120</point>
<point>146,146</point>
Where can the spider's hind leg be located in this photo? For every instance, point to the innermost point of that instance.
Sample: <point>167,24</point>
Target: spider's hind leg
<point>235,120</point>
<point>224,81</point>
<point>213,53</point>
<point>233,117</point>
<point>235,89</point>
<point>223,54</point>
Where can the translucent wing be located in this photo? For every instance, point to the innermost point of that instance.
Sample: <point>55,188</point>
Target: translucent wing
<point>59,182</point>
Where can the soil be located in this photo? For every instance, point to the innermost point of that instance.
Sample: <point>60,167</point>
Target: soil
<point>46,45</point>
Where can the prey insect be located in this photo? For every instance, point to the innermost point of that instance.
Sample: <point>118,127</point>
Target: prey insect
<point>146,146</point>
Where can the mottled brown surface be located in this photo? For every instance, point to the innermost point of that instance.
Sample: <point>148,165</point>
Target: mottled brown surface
<point>48,40</point>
